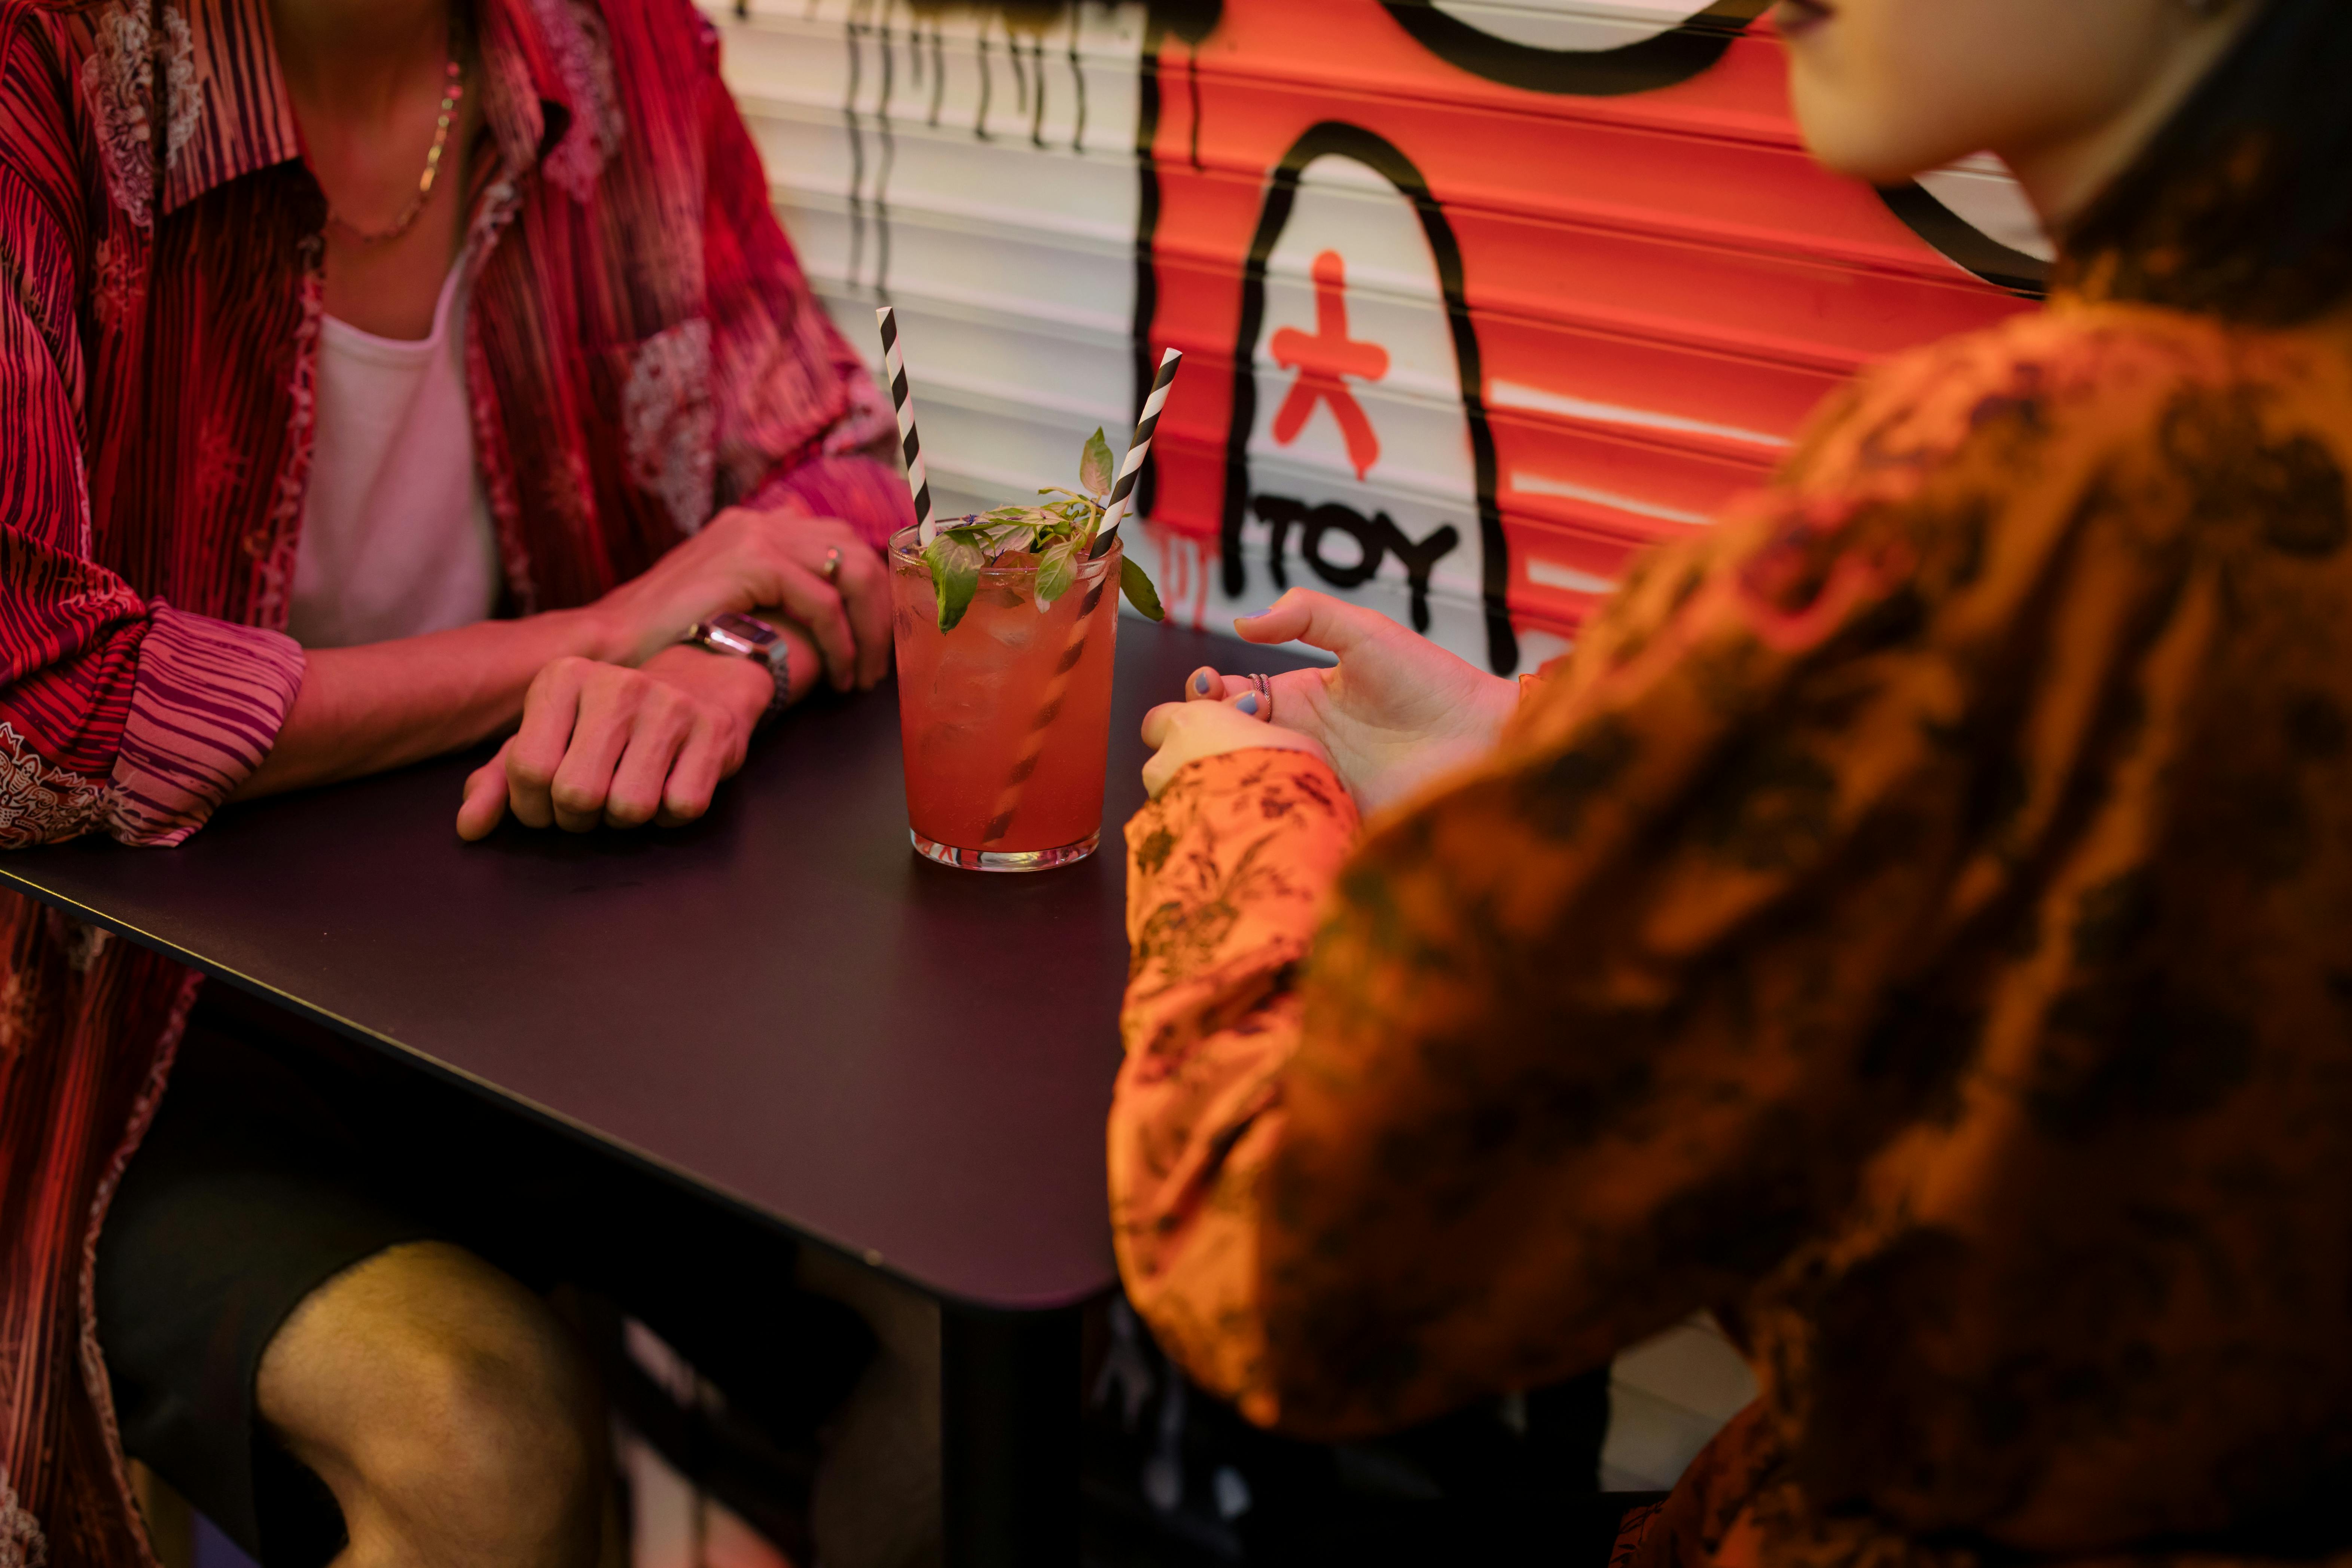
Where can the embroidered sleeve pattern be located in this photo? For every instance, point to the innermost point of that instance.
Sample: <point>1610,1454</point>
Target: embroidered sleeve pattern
<point>40,804</point>
<point>1226,872</point>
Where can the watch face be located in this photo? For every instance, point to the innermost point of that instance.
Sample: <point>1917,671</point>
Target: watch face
<point>757,636</point>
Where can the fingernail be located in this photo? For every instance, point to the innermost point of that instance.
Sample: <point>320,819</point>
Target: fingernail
<point>1201,683</point>
<point>1248,704</point>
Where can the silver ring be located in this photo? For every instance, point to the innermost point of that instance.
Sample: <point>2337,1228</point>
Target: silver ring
<point>832,569</point>
<point>1265,685</point>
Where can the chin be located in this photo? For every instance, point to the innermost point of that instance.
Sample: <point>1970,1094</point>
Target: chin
<point>1848,140</point>
<point>1868,164</point>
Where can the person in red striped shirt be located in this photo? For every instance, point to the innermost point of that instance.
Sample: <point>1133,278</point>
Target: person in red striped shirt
<point>377,377</point>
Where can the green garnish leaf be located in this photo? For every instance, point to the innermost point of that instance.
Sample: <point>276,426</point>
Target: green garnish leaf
<point>1056,570</point>
<point>1093,466</point>
<point>1138,589</point>
<point>955,575</point>
<point>1060,531</point>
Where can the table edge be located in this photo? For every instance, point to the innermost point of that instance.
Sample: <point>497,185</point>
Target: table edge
<point>567,1125</point>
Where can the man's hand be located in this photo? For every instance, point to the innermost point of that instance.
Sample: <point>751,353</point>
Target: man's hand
<point>1396,711</point>
<point>604,744</point>
<point>746,561</point>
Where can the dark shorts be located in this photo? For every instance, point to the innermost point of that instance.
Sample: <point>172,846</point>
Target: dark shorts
<point>282,1155</point>
<point>250,1191</point>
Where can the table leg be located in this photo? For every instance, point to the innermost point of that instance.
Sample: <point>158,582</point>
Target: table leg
<point>1009,1438</point>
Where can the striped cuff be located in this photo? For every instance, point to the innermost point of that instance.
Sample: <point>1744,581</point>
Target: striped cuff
<point>866,493</point>
<point>205,708</point>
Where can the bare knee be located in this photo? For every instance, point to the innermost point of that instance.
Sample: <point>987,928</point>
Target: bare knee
<point>447,1409</point>
<point>489,1457</point>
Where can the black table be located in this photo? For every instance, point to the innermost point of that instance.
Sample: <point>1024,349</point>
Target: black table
<point>781,1006</point>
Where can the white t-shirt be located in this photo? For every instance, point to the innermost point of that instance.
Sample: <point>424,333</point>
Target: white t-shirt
<point>396,536</point>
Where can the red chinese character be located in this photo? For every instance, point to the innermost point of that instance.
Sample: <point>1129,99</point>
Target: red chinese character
<point>1321,360</point>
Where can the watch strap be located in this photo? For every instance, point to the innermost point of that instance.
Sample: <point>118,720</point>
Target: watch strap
<point>745,636</point>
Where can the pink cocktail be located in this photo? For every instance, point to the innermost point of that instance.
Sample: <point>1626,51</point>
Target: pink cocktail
<point>1005,721</point>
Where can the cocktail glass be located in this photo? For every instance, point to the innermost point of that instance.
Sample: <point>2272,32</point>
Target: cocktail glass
<point>1005,721</point>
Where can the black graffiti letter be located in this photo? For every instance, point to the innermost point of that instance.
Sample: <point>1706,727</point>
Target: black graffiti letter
<point>1280,514</point>
<point>1333,517</point>
<point>1418,560</point>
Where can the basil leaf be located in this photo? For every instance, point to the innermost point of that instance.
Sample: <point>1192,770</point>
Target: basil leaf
<point>1056,570</point>
<point>955,575</point>
<point>1138,589</point>
<point>1093,466</point>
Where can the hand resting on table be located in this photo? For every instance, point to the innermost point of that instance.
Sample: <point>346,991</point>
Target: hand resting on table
<point>606,745</point>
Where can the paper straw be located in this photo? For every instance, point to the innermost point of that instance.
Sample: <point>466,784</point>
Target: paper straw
<point>1032,745</point>
<point>1136,449</point>
<point>894,369</point>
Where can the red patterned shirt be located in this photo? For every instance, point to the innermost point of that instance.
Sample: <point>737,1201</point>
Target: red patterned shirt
<point>642,351</point>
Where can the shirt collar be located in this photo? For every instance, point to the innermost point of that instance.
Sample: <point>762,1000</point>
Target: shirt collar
<point>545,76</point>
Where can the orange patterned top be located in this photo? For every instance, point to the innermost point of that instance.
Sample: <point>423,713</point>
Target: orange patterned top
<point>1916,924</point>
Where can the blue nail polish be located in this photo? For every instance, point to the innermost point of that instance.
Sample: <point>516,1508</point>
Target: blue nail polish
<point>1248,704</point>
<point>1201,684</point>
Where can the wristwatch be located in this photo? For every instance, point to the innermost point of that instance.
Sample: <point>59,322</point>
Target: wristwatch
<point>748,638</point>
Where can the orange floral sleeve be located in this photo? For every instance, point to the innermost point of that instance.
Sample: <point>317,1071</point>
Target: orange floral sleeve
<point>1226,871</point>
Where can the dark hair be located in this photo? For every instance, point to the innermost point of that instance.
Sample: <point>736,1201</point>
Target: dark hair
<point>2241,205</point>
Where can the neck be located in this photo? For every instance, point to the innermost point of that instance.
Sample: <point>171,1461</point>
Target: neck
<point>2064,173</point>
<point>358,53</point>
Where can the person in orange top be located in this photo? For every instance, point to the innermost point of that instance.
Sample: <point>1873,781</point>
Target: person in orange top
<point>1916,922</point>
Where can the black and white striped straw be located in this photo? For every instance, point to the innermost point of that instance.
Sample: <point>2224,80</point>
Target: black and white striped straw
<point>1136,449</point>
<point>1032,744</point>
<point>894,370</point>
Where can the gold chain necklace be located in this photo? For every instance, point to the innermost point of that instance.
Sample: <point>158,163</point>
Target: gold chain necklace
<point>451,94</point>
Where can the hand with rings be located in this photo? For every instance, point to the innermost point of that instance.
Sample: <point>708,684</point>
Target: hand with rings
<point>815,573</point>
<point>848,579</point>
<point>845,588</point>
<point>1396,711</point>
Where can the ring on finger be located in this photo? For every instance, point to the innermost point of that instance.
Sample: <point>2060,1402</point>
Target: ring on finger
<point>832,568</point>
<point>1264,685</point>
